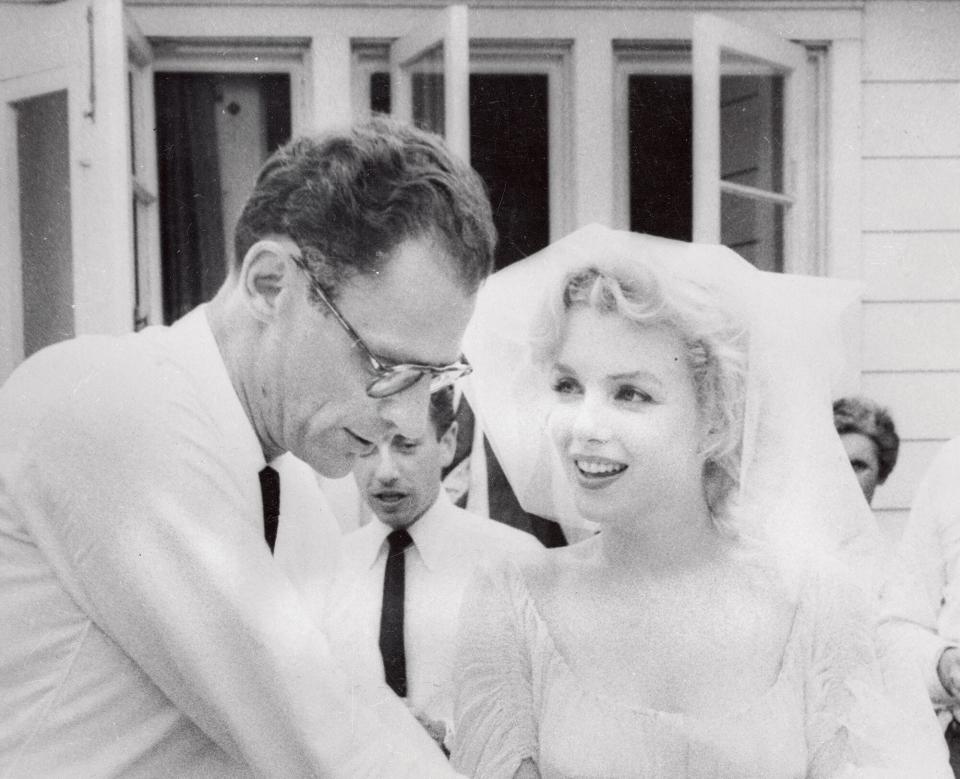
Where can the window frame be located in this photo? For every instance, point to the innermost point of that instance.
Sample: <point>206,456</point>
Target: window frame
<point>804,235</point>
<point>549,58</point>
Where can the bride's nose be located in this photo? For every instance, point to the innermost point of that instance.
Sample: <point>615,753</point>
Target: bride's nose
<point>591,421</point>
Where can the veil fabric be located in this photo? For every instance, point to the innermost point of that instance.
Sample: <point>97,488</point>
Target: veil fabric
<point>794,472</point>
<point>796,483</point>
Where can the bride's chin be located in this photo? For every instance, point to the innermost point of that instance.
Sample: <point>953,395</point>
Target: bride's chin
<point>599,511</point>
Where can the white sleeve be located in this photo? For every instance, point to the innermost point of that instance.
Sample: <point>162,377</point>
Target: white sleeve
<point>496,726</point>
<point>930,552</point>
<point>866,714</point>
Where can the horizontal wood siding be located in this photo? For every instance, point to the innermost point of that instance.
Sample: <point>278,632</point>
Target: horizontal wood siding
<point>911,233</point>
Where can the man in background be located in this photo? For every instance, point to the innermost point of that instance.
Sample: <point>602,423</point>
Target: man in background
<point>395,606</point>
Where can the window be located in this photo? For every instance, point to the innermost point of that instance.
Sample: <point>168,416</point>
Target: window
<point>519,139</point>
<point>216,123</point>
<point>715,137</point>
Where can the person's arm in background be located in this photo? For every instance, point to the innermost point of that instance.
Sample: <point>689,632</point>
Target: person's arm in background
<point>926,623</point>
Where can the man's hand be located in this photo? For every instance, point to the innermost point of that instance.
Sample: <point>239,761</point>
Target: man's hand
<point>948,669</point>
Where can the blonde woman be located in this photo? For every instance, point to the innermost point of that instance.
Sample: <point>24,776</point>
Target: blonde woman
<point>680,640</point>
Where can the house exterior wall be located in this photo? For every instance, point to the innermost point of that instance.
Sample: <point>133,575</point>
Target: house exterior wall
<point>890,202</point>
<point>910,251</point>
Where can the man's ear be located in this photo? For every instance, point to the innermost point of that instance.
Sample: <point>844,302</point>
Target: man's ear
<point>266,271</point>
<point>448,441</point>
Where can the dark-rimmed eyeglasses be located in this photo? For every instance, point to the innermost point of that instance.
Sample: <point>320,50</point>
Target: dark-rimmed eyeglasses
<point>389,379</point>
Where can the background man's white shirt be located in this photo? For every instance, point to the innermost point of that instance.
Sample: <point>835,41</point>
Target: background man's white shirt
<point>448,544</point>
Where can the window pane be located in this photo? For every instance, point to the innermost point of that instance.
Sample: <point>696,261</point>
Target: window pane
<point>213,133</point>
<point>753,229</point>
<point>427,91</point>
<point>751,131</point>
<point>660,127</point>
<point>43,152</point>
<point>380,92</point>
<point>509,148</point>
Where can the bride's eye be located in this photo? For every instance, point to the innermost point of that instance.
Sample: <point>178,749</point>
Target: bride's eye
<point>633,395</point>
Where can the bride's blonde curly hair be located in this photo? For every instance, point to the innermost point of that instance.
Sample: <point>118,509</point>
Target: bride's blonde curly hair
<point>714,340</point>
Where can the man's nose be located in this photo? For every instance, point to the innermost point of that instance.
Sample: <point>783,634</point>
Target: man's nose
<point>407,411</point>
<point>386,470</point>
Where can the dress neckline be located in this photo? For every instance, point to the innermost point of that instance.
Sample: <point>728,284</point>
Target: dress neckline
<point>782,672</point>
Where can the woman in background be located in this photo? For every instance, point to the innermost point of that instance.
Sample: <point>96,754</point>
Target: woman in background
<point>681,640</point>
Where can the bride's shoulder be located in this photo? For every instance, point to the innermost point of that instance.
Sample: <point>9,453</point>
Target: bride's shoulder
<point>535,572</point>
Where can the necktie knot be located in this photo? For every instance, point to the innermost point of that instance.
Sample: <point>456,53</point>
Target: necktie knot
<point>399,540</point>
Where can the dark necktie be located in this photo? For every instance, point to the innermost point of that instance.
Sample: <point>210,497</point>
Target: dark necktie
<point>391,617</point>
<point>270,493</point>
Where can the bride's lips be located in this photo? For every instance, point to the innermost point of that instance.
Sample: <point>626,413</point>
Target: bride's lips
<point>595,472</point>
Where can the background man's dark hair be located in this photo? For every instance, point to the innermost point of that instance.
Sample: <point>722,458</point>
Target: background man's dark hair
<point>442,413</point>
<point>349,198</point>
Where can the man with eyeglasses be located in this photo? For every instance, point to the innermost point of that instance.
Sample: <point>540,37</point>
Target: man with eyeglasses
<point>147,480</point>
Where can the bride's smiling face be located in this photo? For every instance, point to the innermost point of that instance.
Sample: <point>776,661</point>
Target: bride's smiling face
<point>626,423</point>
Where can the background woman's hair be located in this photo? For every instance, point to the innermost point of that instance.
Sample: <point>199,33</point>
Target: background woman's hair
<point>857,414</point>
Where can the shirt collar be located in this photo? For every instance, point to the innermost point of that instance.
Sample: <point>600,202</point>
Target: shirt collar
<point>428,534</point>
<point>197,349</point>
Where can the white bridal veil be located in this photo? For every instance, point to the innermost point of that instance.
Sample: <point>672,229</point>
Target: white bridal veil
<point>794,471</point>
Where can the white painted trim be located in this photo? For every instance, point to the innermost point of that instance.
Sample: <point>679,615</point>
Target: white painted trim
<point>706,130</point>
<point>447,30</point>
<point>593,141</point>
<point>456,82</point>
<point>330,69</point>
<point>711,36</point>
<point>11,270</point>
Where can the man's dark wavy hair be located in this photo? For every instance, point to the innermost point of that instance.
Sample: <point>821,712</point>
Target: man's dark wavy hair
<point>348,199</point>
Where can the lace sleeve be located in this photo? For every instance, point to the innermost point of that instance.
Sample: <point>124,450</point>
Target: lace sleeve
<point>495,723</point>
<point>866,713</point>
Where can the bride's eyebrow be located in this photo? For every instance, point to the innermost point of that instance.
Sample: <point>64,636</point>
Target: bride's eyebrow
<point>645,376</point>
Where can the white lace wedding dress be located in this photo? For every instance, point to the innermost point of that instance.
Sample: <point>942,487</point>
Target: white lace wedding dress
<point>827,714</point>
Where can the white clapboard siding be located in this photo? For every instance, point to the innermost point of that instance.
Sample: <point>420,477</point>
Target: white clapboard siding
<point>20,54</point>
<point>891,522</point>
<point>914,459</point>
<point>911,41</point>
<point>912,266</point>
<point>923,405</point>
<point>911,119</point>
<point>911,194</point>
<point>911,336</point>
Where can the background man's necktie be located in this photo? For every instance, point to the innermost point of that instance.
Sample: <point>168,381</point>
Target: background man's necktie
<point>270,493</point>
<point>391,617</point>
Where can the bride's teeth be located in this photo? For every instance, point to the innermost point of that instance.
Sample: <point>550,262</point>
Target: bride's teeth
<point>599,468</point>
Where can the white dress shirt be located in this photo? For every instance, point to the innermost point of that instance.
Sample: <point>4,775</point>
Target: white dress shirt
<point>448,544</point>
<point>930,548</point>
<point>146,628</point>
